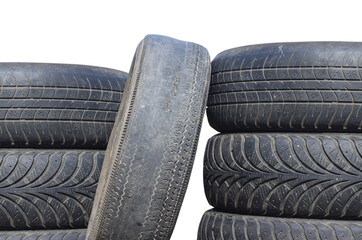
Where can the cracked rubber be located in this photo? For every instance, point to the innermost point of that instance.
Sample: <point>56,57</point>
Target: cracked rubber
<point>148,163</point>
<point>47,189</point>
<point>219,226</point>
<point>69,234</point>
<point>287,87</point>
<point>288,175</point>
<point>58,105</point>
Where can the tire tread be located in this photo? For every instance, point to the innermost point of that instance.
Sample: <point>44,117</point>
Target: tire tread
<point>218,225</point>
<point>289,175</point>
<point>47,189</point>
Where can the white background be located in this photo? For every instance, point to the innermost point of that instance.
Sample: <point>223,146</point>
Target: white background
<point>106,33</point>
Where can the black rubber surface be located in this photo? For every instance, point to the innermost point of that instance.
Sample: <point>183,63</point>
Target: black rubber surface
<point>56,105</point>
<point>289,175</point>
<point>152,147</point>
<point>73,234</point>
<point>47,189</point>
<point>221,226</point>
<point>287,87</point>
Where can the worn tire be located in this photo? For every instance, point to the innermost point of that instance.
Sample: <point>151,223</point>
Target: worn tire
<point>289,175</point>
<point>217,226</point>
<point>69,234</point>
<point>55,105</point>
<point>47,189</point>
<point>287,87</point>
<point>148,164</point>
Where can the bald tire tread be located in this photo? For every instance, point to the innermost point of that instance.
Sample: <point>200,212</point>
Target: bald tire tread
<point>69,234</point>
<point>148,163</point>
<point>217,225</point>
<point>286,175</point>
<point>311,86</point>
<point>58,105</point>
<point>47,189</point>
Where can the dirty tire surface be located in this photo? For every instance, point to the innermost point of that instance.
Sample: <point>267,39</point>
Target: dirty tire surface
<point>218,225</point>
<point>288,175</point>
<point>68,234</point>
<point>58,105</point>
<point>287,87</point>
<point>148,164</point>
<point>47,189</point>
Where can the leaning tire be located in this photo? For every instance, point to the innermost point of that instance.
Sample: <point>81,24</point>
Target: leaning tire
<point>289,175</point>
<point>69,234</point>
<point>217,225</point>
<point>148,163</point>
<point>58,106</point>
<point>47,189</point>
<point>287,87</point>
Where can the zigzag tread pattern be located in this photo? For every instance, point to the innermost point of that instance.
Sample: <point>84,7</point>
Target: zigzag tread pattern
<point>69,234</point>
<point>47,189</point>
<point>218,226</point>
<point>289,175</point>
<point>58,105</point>
<point>291,86</point>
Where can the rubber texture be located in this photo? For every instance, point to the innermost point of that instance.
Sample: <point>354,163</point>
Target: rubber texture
<point>311,86</point>
<point>69,234</point>
<point>288,175</point>
<point>58,106</point>
<point>148,164</point>
<point>47,189</point>
<point>217,226</point>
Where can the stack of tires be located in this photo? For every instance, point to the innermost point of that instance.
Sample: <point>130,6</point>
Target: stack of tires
<point>288,161</point>
<point>55,121</point>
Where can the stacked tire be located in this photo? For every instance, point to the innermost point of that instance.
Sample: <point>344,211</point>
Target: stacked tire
<point>288,161</point>
<point>55,121</point>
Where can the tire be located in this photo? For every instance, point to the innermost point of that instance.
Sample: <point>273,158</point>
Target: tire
<point>217,225</point>
<point>148,164</point>
<point>287,87</point>
<point>58,106</point>
<point>288,175</point>
<point>47,189</point>
<point>74,234</point>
